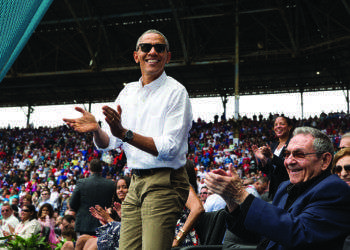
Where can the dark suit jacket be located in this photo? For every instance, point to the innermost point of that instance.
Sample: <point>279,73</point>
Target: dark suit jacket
<point>275,170</point>
<point>318,219</point>
<point>91,191</point>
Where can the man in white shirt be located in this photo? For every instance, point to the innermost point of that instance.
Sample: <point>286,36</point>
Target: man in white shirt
<point>214,202</point>
<point>258,187</point>
<point>7,218</point>
<point>152,119</point>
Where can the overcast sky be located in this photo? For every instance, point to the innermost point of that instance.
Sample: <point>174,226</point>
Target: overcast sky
<point>205,108</point>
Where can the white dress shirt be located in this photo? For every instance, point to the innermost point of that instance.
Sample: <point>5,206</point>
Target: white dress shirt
<point>161,110</point>
<point>11,220</point>
<point>28,228</point>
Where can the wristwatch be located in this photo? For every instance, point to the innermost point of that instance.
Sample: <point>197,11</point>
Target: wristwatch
<point>129,135</point>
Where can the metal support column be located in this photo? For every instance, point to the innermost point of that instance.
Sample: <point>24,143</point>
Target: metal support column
<point>224,102</point>
<point>302,103</point>
<point>237,62</point>
<point>30,110</point>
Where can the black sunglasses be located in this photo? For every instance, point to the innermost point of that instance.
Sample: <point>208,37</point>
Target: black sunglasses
<point>338,168</point>
<point>297,154</point>
<point>146,47</point>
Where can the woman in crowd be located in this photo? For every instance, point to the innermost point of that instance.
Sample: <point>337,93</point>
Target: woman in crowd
<point>108,234</point>
<point>185,234</point>
<point>341,164</point>
<point>270,160</point>
<point>46,219</point>
<point>29,224</point>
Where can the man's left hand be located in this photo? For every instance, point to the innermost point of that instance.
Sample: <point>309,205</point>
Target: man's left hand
<point>114,120</point>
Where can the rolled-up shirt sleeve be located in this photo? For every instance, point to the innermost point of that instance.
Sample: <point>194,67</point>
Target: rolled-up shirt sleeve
<point>176,128</point>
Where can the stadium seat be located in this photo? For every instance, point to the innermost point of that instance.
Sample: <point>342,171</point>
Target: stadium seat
<point>211,227</point>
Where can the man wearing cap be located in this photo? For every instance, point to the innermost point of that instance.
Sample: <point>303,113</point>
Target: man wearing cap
<point>151,118</point>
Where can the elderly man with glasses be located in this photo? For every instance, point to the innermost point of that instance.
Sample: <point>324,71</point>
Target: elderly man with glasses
<point>310,211</point>
<point>7,218</point>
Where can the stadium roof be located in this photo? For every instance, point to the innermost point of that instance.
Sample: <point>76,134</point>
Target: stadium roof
<point>81,51</point>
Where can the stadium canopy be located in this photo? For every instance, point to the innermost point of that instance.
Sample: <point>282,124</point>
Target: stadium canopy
<point>81,51</point>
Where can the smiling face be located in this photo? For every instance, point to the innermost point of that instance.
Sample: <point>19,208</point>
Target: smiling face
<point>344,174</point>
<point>122,189</point>
<point>304,169</point>
<point>281,127</point>
<point>26,213</point>
<point>151,63</point>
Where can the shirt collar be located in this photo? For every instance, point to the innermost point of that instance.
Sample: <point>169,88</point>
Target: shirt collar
<point>155,84</point>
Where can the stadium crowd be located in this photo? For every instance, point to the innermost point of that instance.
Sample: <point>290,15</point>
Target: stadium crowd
<point>42,165</point>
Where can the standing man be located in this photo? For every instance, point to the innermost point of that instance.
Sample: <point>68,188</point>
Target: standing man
<point>310,211</point>
<point>91,191</point>
<point>152,119</point>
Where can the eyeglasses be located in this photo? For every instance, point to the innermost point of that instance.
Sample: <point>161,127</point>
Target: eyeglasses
<point>26,210</point>
<point>45,193</point>
<point>338,168</point>
<point>5,210</point>
<point>146,47</point>
<point>204,193</point>
<point>297,154</point>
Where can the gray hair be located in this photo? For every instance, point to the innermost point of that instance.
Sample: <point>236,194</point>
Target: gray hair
<point>322,143</point>
<point>153,32</point>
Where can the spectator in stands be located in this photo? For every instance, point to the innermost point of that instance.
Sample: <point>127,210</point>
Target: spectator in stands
<point>270,160</point>
<point>109,233</point>
<point>63,202</point>
<point>28,226</point>
<point>68,221</point>
<point>46,219</point>
<point>91,191</point>
<point>345,141</point>
<point>67,225</point>
<point>156,148</point>
<point>185,234</point>
<point>341,164</point>
<point>311,211</point>
<point>44,198</point>
<point>214,202</point>
<point>203,194</point>
<point>259,187</point>
<point>8,218</point>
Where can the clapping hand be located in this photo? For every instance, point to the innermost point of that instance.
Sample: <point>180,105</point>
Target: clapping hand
<point>101,214</point>
<point>262,154</point>
<point>118,208</point>
<point>228,185</point>
<point>86,123</point>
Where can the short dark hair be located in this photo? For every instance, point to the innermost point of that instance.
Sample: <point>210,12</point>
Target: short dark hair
<point>69,218</point>
<point>68,231</point>
<point>96,166</point>
<point>31,209</point>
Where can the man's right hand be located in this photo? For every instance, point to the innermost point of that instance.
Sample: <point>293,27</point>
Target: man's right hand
<point>86,123</point>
